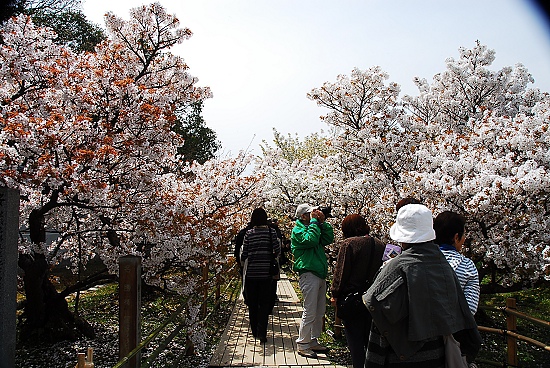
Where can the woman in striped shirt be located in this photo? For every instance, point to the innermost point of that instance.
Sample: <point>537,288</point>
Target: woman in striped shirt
<point>450,236</point>
<point>260,246</point>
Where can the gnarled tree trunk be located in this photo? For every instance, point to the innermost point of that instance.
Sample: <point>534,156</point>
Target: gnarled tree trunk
<point>46,313</point>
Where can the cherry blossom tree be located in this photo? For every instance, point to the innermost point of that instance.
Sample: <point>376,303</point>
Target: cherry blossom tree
<point>293,173</point>
<point>87,138</point>
<point>473,141</point>
<point>368,121</point>
<point>484,154</point>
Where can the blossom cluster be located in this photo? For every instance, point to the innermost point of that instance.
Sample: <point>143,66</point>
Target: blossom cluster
<point>87,139</point>
<point>473,140</point>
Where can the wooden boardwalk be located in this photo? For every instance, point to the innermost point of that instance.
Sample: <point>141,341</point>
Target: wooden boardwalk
<point>238,348</point>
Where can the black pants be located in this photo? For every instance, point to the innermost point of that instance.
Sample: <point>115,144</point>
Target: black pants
<point>259,298</point>
<point>357,335</point>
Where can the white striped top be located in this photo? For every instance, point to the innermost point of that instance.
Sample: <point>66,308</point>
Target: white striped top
<point>467,275</point>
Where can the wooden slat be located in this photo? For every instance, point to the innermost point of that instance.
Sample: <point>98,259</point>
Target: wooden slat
<point>240,339</point>
<point>221,354</point>
<point>238,348</point>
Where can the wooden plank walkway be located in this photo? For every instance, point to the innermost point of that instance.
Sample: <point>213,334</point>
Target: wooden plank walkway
<point>238,348</point>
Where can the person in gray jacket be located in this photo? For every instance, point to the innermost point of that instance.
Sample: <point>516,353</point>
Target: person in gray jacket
<point>416,300</point>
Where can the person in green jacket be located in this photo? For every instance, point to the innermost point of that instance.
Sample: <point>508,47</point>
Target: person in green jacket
<point>309,237</point>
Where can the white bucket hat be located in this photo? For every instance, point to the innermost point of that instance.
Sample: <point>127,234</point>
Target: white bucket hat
<point>414,224</point>
<point>303,208</point>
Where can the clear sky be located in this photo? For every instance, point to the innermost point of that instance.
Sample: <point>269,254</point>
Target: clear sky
<point>261,57</point>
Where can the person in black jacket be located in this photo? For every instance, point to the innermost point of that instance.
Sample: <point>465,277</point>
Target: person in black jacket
<point>416,301</point>
<point>260,246</point>
<point>359,258</point>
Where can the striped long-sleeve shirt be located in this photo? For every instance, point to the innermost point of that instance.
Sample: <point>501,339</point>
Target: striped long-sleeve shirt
<point>467,275</point>
<point>259,245</point>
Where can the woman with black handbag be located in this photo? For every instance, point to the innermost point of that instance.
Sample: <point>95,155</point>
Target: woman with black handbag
<point>260,246</point>
<point>359,258</point>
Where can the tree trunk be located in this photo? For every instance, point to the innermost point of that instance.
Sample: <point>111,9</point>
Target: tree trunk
<point>46,314</point>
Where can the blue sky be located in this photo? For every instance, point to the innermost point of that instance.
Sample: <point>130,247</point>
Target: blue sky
<point>261,57</point>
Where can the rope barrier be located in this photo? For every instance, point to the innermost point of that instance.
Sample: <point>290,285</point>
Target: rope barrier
<point>162,346</point>
<point>515,335</point>
<point>514,312</point>
<point>150,338</point>
<point>164,324</point>
<point>231,297</point>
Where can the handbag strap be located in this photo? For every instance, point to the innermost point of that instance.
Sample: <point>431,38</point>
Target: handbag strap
<point>370,273</point>
<point>271,242</point>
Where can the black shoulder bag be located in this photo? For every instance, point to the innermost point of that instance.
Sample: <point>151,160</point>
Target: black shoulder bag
<point>351,306</point>
<point>274,269</point>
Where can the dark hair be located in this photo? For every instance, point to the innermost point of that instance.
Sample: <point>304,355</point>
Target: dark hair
<point>405,201</point>
<point>259,217</point>
<point>446,225</point>
<point>355,225</point>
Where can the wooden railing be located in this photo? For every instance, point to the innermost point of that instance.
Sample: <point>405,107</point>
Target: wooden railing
<point>211,289</point>
<point>510,333</point>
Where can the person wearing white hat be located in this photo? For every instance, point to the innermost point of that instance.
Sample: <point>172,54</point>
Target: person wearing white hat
<point>416,300</point>
<point>310,235</point>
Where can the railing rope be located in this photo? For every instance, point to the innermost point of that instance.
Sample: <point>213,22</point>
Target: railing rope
<point>510,333</point>
<point>516,313</point>
<point>515,335</point>
<point>162,346</point>
<point>235,289</point>
<point>170,319</point>
<point>150,338</point>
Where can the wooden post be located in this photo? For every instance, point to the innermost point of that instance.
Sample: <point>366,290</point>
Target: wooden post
<point>129,291</point>
<point>81,362</point>
<point>9,229</point>
<point>85,360</point>
<point>205,290</point>
<point>511,325</point>
<point>90,358</point>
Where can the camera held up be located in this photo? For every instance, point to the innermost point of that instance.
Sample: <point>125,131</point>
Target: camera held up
<point>326,210</point>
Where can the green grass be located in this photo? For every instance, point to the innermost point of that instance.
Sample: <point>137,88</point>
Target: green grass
<point>99,306</point>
